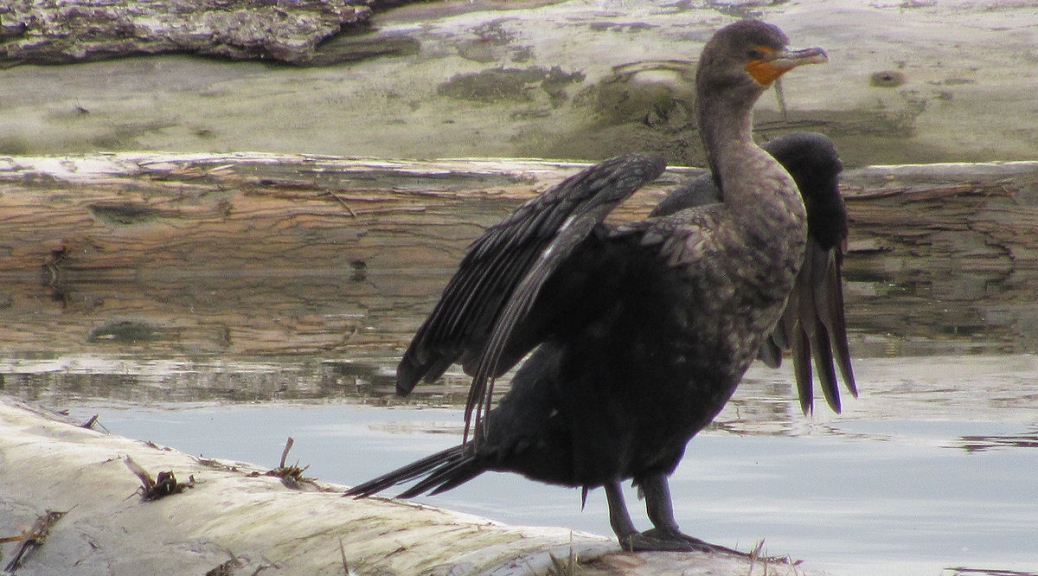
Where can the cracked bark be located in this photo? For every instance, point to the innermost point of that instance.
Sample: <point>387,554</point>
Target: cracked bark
<point>254,253</point>
<point>86,30</point>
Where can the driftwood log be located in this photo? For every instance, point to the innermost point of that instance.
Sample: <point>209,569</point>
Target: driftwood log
<point>65,32</point>
<point>261,254</point>
<point>546,79</point>
<point>236,519</point>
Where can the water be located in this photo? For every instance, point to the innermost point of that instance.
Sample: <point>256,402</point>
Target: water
<point>931,469</point>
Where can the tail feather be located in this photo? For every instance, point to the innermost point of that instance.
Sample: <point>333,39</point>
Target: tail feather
<point>451,474</point>
<point>443,470</point>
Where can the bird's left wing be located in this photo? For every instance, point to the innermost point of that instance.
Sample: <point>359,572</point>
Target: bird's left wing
<point>604,185</point>
<point>504,270</point>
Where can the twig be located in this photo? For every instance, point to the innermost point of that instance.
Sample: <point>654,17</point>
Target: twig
<point>291,476</point>
<point>33,538</point>
<point>284,453</point>
<point>153,489</point>
<point>228,568</point>
<point>343,202</point>
<point>92,422</point>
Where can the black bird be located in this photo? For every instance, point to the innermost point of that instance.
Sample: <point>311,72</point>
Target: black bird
<point>642,331</point>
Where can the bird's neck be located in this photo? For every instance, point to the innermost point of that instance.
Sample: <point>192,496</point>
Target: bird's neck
<point>727,132</point>
<point>754,187</point>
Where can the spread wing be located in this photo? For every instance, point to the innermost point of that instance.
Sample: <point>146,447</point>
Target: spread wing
<point>813,324</point>
<point>504,270</point>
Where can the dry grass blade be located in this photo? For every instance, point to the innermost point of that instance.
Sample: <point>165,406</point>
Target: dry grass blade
<point>754,555</point>
<point>567,567</point>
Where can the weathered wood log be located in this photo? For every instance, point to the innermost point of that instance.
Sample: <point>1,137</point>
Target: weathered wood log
<point>238,519</point>
<point>253,253</point>
<point>334,252</point>
<point>87,30</point>
<point>946,252</point>
<point>548,79</point>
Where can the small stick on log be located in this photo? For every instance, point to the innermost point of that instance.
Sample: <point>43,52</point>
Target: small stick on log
<point>153,489</point>
<point>32,538</point>
<point>228,568</point>
<point>291,476</point>
<point>343,202</point>
<point>284,453</point>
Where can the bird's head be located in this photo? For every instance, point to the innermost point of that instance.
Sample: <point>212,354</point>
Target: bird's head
<point>812,161</point>
<point>751,55</point>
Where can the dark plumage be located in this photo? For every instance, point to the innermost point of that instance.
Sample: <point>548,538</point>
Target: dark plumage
<point>813,323</point>
<point>641,332</point>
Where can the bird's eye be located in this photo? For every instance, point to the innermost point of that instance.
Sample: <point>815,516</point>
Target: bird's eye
<point>755,54</point>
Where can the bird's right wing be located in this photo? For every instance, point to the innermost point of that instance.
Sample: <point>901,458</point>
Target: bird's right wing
<point>501,275</point>
<point>813,326</point>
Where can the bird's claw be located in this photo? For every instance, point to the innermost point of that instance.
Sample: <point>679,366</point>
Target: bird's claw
<point>672,541</point>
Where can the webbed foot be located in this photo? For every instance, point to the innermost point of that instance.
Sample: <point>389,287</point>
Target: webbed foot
<point>672,541</point>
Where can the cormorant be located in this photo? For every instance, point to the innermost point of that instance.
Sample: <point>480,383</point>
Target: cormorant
<point>642,331</point>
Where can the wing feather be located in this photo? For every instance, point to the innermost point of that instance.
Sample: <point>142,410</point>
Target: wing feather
<point>537,237</point>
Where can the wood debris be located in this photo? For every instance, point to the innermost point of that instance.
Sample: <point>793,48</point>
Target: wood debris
<point>32,538</point>
<point>165,484</point>
<point>291,476</point>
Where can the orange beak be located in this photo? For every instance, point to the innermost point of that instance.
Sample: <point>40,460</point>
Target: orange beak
<point>774,64</point>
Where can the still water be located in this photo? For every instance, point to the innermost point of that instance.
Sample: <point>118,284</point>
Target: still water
<point>933,470</point>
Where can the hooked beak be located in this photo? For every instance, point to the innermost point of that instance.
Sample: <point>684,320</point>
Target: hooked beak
<point>772,65</point>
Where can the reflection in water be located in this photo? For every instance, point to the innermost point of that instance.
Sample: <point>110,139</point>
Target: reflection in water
<point>1027,439</point>
<point>79,378</point>
<point>958,388</point>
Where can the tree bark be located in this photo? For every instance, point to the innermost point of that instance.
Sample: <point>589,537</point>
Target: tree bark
<point>263,254</point>
<point>34,32</point>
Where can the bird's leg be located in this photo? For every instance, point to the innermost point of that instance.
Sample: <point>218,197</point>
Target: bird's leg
<point>666,535</point>
<point>619,517</point>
